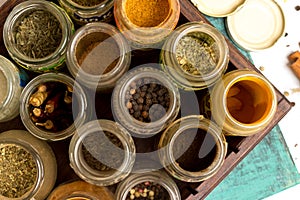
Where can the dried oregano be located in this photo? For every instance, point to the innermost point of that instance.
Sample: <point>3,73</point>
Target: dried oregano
<point>38,34</point>
<point>18,171</point>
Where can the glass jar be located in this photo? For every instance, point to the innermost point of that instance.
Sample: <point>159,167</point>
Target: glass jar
<point>53,105</point>
<point>148,184</point>
<point>102,152</point>
<point>138,104</point>
<point>40,45</point>
<point>35,160</point>
<point>83,12</point>
<point>243,103</point>
<point>98,55</point>
<point>195,55</point>
<point>80,190</point>
<point>12,81</point>
<point>146,23</point>
<point>192,149</point>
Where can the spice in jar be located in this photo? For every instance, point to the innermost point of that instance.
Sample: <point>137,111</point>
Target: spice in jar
<point>38,34</point>
<point>18,171</point>
<point>3,87</point>
<point>147,13</point>
<point>100,154</point>
<point>50,106</point>
<point>147,100</point>
<point>88,3</point>
<point>97,53</point>
<point>197,53</point>
<point>194,149</point>
<point>148,191</point>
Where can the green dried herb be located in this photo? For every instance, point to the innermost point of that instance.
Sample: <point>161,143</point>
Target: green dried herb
<point>38,34</point>
<point>88,3</point>
<point>197,53</point>
<point>18,171</point>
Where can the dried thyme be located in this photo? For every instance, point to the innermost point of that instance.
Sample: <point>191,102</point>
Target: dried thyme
<point>18,171</point>
<point>88,3</point>
<point>197,53</point>
<point>38,34</point>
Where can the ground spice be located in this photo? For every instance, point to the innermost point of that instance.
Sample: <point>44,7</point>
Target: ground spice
<point>18,171</point>
<point>147,13</point>
<point>88,3</point>
<point>197,53</point>
<point>3,87</point>
<point>97,53</point>
<point>95,150</point>
<point>148,191</point>
<point>38,34</point>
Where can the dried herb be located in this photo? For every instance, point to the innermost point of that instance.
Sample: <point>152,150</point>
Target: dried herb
<point>50,107</point>
<point>18,171</point>
<point>95,149</point>
<point>88,3</point>
<point>38,34</point>
<point>147,100</point>
<point>197,53</point>
<point>148,191</point>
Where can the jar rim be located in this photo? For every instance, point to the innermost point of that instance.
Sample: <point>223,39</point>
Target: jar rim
<point>89,8</point>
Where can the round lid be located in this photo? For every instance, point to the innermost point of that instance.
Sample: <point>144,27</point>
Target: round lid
<point>218,8</point>
<point>256,26</point>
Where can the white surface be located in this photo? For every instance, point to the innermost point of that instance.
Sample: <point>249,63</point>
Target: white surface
<point>218,8</point>
<point>257,25</point>
<point>288,194</point>
<point>275,65</point>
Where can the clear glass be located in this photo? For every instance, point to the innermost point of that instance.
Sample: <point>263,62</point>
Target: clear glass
<point>172,65</point>
<point>80,190</point>
<point>51,62</point>
<point>44,159</point>
<point>103,11</point>
<point>157,177</point>
<point>185,129</point>
<point>11,87</point>
<point>146,37</point>
<point>119,101</point>
<point>109,52</point>
<point>96,129</point>
<point>80,109</point>
<point>243,102</point>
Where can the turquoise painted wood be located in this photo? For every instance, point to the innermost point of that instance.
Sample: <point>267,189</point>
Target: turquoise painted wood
<point>266,170</point>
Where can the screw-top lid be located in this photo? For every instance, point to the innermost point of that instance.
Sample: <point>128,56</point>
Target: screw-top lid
<point>258,25</point>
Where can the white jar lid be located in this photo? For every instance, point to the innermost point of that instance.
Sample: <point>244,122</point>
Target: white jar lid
<point>256,26</point>
<point>218,8</point>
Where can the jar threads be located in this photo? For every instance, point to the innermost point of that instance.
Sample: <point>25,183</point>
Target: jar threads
<point>195,56</point>
<point>208,148</point>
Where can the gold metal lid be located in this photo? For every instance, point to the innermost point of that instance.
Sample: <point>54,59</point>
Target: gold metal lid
<point>218,8</point>
<point>256,26</point>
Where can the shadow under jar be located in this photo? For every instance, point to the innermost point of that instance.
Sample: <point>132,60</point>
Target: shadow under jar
<point>195,56</point>
<point>145,101</point>
<point>146,23</point>
<point>28,166</point>
<point>153,185</point>
<point>98,55</point>
<point>36,34</point>
<point>102,152</point>
<point>53,105</point>
<point>192,149</point>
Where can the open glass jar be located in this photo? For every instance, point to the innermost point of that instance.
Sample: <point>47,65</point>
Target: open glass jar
<point>102,152</point>
<point>243,103</point>
<point>153,184</point>
<point>83,12</point>
<point>146,23</point>
<point>98,55</point>
<point>28,166</point>
<point>195,55</point>
<point>36,34</point>
<point>53,105</point>
<point>145,101</point>
<point>192,148</point>
<point>12,81</point>
<point>80,190</point>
